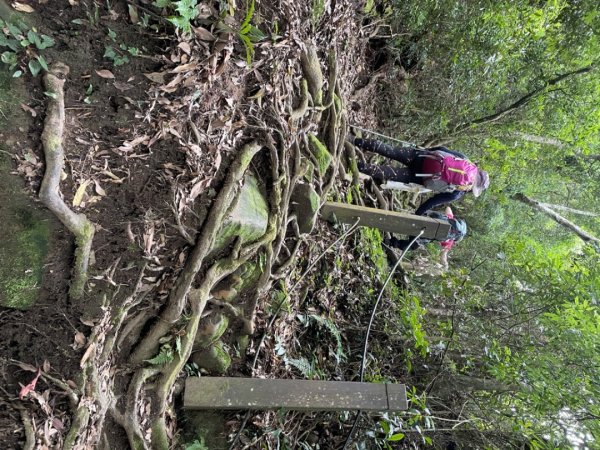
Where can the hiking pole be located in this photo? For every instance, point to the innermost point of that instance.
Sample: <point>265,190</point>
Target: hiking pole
<point>410,144</point>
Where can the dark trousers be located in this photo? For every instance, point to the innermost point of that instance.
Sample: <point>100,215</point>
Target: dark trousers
<point>408,156</point>
<point>401,244</point>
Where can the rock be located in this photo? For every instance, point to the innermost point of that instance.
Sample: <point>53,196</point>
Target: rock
<point>214,359</point>
<point>247,219</point>
<point>211,330</point>
<point>305,204</point>
<point>242,342</point>
<point>321,154</point>
<point>243,278</point>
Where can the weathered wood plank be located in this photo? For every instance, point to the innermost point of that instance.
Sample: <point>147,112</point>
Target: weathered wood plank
<point>302,395</point>
<point>392,221</point>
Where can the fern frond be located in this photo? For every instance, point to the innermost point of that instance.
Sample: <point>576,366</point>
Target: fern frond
<point>247,19</point>
<point>328,323</point>
<point>302,364</point>
<point>165,356</point>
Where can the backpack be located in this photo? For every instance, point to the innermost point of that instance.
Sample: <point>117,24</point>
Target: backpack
<point>451,169</point>
<point>458,227</point>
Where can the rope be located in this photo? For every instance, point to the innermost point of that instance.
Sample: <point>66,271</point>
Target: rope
<point>405,143</point>
<point>364,355</point>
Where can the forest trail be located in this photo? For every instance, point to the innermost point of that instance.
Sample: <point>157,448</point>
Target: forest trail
<point>158,134</point>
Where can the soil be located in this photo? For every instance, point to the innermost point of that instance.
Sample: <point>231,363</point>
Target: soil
<point>96,124</point>
<point>130,190</point>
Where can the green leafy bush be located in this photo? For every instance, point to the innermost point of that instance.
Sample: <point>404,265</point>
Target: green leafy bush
<point>21,44</point>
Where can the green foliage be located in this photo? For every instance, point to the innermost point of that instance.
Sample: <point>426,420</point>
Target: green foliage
<point>165,356</point>
<point>198,444</point>
<point>305,367</point>
<point>170,347</point>
<point>331,327</point>
<point>250,34</point>
<point>184,12</point>
<point>118,52</point>
<point>317,11</point>
<point>21,44</point>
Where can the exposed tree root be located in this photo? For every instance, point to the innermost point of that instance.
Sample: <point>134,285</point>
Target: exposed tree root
<point>78,224</point>
<point>177,300</point>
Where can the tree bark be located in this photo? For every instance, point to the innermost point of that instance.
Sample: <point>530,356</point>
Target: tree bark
<point>570,210</point>
<point>583,235</point>
<point>541,139</point>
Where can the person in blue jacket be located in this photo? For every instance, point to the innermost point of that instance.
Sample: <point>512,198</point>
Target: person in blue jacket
<point>413,162</point>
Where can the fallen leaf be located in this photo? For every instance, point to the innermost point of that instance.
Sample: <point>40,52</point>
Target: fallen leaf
<point>122,86</point>
<point>79,340</point>
<point>28,109</point>
<point>203,34</point>
<point>26,366</point>
<point>185,47</point>
<point>57,423</point>
<point>29,387</point>
<point>87,355</point>
<point>157,77</point>
<point>99,189</point>
<point>199,187</point>
<point>104,73</point>
<point>22,7</point>
<point>80,193</point>
<point>133,14</point>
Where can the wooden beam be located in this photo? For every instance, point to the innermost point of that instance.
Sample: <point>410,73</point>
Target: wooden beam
<point>391,221</point>
<point>302,395</point>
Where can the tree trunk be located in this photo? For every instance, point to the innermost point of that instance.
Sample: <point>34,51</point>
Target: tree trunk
<point>583,235</point>
<point>570,210</point>
<point>540,139</point>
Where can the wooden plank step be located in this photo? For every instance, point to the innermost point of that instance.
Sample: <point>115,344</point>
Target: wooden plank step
<point>302,395</point>
<point>391,221</point>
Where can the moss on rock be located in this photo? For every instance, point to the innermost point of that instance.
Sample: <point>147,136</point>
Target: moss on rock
<point>248,218</point>
<point>320,153</point>
<point>214,359</point>
<point>211,330</point>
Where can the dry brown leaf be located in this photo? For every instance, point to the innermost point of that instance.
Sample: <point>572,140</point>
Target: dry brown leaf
<point>122,86</point>
<point>157,77</point>
<point>28,109</point>
<point>184,68</point>
<point>79,340</point>
<point>130,145</point>
<point>87,355</point>
<point>104,73</point>
<point>22,7</point>
<point>149,239</point>
<point>26,366</point>
<point>80,192</point>
<point>184,46</point>
<point>199,187</point>
<point>203,34</point>
<point>99,189</point>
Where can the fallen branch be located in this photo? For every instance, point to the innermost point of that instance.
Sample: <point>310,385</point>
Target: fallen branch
<point>78,224</point>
